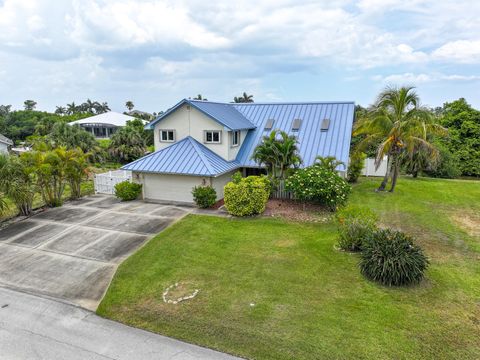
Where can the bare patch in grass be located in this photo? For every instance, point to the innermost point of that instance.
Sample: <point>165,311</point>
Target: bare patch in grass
<point>297,211</point>
<point>468,222</point>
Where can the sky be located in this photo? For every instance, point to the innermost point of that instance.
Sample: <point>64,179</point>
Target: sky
<point>156,53</point>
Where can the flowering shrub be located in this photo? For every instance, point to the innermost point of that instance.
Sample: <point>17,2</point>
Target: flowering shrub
<point>247,196</point>
<point>320,185</point>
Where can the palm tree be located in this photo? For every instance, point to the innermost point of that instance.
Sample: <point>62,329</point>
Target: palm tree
<point>200,97</point>
<point>127,144</point>
<point>129,105</point>
<point>401,125</point>
<point>244,98</point>
<point>17,182</point>
<point>5,109</point>
<point>90,106</point>
<point>72,108</point>
<point>60,110</point>
<point>329,162</point>
<point>278,152</point>
<point>101,108</point>
<point>29,105</point>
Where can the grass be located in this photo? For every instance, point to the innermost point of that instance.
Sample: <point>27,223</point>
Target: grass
<point>310,300</point>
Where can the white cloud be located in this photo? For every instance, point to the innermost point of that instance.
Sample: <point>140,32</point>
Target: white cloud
<point>411,78</point>
<point>465,51</point>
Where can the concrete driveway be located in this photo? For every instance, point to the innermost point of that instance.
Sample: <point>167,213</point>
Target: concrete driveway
<point>72,252</point>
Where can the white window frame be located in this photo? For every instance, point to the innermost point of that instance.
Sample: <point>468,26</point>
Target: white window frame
<point>212,131</point>
<point>167,131</point>
<point>238,134</point>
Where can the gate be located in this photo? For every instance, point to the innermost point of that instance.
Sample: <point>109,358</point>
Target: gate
<point>105,183</point>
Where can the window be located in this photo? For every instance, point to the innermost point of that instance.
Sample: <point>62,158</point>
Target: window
<point>325,124</point>
<point>296,124</point>
<point>167,135</point>
<point>269,124</point>
<point>235,138</point>
<point>213,137</point>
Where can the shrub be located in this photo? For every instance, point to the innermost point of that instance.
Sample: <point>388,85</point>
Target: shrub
<point>127,190</point>
<point>448,165</point>
<point>320,185</point>
<point>357,161</point>
<point>247,196</point>
<point>204,196</point>
<point>391,258</point>
<point>355,226</point>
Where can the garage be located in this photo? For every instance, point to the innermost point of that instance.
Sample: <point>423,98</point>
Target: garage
<point>177,188</point>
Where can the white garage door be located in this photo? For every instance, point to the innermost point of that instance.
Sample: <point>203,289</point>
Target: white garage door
<point>171,187</point>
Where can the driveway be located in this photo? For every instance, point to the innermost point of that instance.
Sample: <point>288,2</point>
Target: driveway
<point>37,328</point>
<point>72,252</point>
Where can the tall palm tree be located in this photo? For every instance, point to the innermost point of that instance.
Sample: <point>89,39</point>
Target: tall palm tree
<point>101,108</point>
<point>401,125</point>
<point>278,152</point>
<point>245,98</point>
<point>72,108</point>
<point>89,106</point>
<point>129,105</point>
<point>29,105</point>
<point>60,110</point>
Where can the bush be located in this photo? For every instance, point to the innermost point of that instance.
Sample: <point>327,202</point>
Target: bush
<point>204,196</point>
<point>127,190</point>
<point>357,161</point>
<point>355,226</point>
<point>391,258</point>
<point>448,165</point>
<point>247,196</point>
<point>320,185</point>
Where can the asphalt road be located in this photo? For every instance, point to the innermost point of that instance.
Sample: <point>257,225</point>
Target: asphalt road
<point>33,328</point>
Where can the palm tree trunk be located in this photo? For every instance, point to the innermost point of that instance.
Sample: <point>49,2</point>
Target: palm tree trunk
<point>395,171</point>
<point>383,185</point>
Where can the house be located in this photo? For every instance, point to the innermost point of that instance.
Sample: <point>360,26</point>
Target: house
<point>203,142</point>
<point>104,125</point>
<point>5,144</point>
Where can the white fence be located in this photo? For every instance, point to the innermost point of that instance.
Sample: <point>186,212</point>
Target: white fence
<point>280,192</point>
<point>369,168</point>
<point>105,183</point>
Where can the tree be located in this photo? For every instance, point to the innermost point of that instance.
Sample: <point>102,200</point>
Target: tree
<point>76,171</point>
<point>244,98</point>
<point>101,108</point>
<point>127,144</point>
<point>129,105</point>
<point>17,182</point>
<point>60,110</point>
<point>72,108</point>
<point>29,105</point>
<point>90,106</point>
<point>401,125</point>
<point>278,152</point>
<point>71,136</point>
<point>463,124</point>
<point>329,162</point>
<point>5,110</point>
<point>199,97</point>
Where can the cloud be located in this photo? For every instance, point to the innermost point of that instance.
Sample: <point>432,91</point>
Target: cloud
<point>411,78</point>
<point>464,51</point>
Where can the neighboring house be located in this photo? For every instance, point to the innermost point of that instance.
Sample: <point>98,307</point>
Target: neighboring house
<point>202,142</point>
<point>5,144</point>
<point>103,125</point>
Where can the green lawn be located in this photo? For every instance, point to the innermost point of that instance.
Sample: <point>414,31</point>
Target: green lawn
<point>310,300</point>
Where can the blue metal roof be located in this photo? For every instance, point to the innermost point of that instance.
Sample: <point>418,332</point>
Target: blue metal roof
<point>222,113</point>
<point>311,140</point>
<point>185,157</point>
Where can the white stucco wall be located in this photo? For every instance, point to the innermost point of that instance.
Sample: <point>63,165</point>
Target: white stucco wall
<point>219,182</point>
<point>3,148</point>
<point>192,122</point>
<point>177,188</point>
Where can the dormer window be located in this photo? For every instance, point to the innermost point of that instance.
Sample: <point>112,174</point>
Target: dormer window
<point>167,135</point>
<point>235,138</point>
<point>213,137</point>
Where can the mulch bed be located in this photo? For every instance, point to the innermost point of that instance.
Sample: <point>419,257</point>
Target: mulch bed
<point>297,211</point>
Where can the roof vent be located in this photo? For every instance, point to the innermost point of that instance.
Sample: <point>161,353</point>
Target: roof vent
<point>269,124</point>
<point>325,124</point>
<point>296,124</point>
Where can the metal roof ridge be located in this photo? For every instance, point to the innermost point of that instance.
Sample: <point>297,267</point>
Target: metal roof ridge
<point>204,159</point>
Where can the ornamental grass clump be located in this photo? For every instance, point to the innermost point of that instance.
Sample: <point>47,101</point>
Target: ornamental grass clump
<point>247,196</point>
<point>391,258</point>
<point>319,185</point>
<point>356,225</point>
